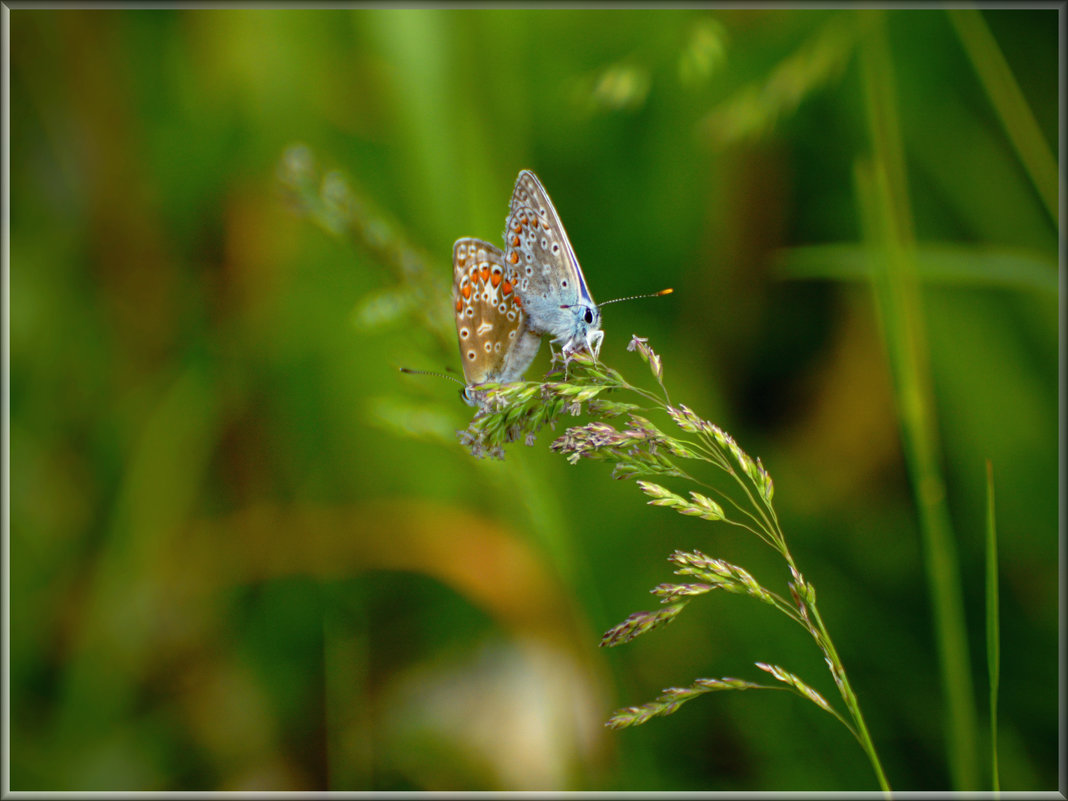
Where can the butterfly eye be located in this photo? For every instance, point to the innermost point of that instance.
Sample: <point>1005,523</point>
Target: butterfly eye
<point>588,317</point>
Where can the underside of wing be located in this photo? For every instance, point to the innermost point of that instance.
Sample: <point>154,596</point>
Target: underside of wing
<point>538,248</point>
<point>489,316</point>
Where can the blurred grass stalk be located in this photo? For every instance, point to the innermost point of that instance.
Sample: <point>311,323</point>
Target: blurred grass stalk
<point>328,199</point>
<point>993,625</point>
<point>885,214</point>
<point>1009,102</point>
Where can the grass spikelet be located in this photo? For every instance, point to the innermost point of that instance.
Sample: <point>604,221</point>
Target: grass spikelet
<point>671,699</point>
<point>788,678</point>
<point>639,623</point>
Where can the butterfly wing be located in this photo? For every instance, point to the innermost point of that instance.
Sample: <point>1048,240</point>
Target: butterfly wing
<point>551,285</point>
<point>494,343</point>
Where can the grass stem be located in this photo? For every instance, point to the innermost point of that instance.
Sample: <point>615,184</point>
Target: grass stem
<point>883,196</point>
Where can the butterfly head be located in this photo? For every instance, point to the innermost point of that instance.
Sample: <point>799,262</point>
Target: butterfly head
<point>585,328</point>
<point>468,397</point>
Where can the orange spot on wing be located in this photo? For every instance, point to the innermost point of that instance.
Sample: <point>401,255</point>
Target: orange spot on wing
<point>459,305</point>
<point>513,257</point>
<point>506,288</point>
<point>495,279</point>
<point>485,273</point>
<point>465,290</point>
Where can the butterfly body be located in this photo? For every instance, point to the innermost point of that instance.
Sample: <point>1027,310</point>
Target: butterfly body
<point>550,283</point>
<point>496,343</point>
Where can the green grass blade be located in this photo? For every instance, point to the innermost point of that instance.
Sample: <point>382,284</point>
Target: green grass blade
<point>993,625</point>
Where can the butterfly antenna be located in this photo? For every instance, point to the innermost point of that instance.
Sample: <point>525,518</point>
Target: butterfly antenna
<point>667,291</point>
<point>410,371</point>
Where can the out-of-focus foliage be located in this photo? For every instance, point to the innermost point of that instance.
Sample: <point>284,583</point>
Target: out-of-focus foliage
<point>245,552</point>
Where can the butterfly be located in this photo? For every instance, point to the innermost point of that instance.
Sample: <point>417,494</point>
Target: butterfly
<point>551,286</point>
<point>496,343</point>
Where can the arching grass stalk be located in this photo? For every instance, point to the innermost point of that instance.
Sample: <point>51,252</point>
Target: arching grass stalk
<point>638,450</point>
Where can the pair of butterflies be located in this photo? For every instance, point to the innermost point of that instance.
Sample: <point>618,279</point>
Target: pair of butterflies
<point>506,301</point>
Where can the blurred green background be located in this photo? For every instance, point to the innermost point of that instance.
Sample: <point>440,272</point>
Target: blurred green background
<point>247,553</point>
